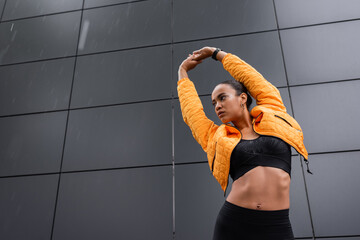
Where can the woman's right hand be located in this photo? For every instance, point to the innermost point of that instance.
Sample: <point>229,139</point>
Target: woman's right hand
<point>189,63</point>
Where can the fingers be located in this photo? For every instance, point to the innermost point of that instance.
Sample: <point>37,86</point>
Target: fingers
<point>194,56</point>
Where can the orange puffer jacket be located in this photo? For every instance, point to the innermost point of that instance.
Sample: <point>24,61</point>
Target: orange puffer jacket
<point>269,118</point>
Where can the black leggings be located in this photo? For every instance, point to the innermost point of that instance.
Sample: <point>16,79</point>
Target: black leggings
<point>235,223</point>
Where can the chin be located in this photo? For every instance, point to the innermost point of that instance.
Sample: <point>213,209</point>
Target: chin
<point>223,120</point>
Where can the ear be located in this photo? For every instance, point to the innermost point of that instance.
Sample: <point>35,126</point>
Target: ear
<point>243,98</point>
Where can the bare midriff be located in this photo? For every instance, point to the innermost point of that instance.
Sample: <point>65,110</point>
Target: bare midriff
<point>261,188</point>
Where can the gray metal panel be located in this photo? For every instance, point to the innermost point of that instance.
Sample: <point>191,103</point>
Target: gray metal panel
<point>125,76</point>
<point>333,193</point>
<point>262,51</point>
<point>198,199</point>
<point>298,12</point>
<point>322,53</point>
<point>326,113</point>
<point>133,203</point>
<point>35,87</point>
<point>119,136</point>
<point>39,38</point>
<point>126,26</point>
<point>31,144</point>
<point>28,8</point>
<point>2,2</point>
<point>27,206</point>
<point>212,18</point>
<point>299,209</point>
<point>97,3</point>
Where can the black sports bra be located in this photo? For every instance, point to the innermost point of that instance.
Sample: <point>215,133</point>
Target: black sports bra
<point>262,151</point>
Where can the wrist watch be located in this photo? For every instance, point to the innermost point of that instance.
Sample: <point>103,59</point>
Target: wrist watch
<point>215,53</point>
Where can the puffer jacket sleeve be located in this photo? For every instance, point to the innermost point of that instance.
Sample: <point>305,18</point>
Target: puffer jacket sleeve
<point>259,88</point>
<point>202,128</point>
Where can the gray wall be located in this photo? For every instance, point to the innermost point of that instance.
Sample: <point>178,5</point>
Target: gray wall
<point>92,141</point>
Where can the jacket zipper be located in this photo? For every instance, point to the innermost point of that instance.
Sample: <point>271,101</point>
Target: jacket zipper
<point>283,119</point>
<point>212,167</point>
<point>287,122</point>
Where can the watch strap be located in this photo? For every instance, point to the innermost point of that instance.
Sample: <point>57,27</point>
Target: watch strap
<point>215,53</point>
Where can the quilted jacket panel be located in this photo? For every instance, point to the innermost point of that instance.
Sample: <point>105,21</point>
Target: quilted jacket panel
<point>269,118</point>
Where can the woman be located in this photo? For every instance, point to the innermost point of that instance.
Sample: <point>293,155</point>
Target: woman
<point>255,151</point>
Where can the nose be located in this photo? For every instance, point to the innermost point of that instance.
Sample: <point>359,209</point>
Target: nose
<point>217,107</point>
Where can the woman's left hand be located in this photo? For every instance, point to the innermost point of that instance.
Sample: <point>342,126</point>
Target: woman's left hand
<point>203,53</point>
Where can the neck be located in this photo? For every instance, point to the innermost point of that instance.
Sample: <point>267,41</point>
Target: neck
<point>244,123</point>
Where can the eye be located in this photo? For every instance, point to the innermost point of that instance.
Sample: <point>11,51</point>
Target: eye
<point>221,98</point>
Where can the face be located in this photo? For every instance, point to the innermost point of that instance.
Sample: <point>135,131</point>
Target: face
<point>224,100</point>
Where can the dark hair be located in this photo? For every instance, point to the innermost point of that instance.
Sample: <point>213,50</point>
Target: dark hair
<point>239,88</point>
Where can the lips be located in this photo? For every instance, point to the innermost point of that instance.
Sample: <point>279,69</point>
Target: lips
<point>220,113</point>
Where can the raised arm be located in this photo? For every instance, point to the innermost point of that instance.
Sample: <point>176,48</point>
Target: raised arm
<point>202,128</point>
<point>260,89</point>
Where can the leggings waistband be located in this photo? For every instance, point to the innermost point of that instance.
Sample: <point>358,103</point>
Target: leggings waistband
<point>264,216</point>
